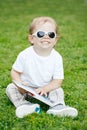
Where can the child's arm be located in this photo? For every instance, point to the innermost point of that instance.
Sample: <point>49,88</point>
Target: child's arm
<point>54,84</point>
<point>16,76</point>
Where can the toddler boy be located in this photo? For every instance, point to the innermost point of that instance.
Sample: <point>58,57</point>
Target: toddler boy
<point>40,66</point>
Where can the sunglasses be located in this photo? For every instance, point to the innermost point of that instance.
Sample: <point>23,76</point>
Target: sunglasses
<point>41,34</point>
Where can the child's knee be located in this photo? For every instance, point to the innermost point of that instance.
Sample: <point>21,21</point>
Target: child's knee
<point>60,90</point>
<point>10,88</point>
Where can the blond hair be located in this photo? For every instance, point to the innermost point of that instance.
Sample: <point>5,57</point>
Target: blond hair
<point>41,20</point>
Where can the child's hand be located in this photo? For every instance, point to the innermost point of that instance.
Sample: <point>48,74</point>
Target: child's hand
<point>41,91</point>
<point>22,91</point>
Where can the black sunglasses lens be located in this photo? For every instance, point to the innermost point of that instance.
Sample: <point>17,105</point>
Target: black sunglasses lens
<point>51,34</point>
<point>40,34</point>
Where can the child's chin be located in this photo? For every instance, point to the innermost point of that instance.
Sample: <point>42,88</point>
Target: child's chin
<point>45,46</point>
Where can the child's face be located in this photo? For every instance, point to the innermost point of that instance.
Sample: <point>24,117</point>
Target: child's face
<point>45,42</point>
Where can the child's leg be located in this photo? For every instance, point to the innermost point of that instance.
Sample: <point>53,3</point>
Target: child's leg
<point>15,96</point>
<point>23,107</point>
<point>57,96</point>
<point>61,109</point>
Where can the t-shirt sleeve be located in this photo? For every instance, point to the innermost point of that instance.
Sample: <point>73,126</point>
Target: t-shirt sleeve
<point>58,70</point>
<point>19,63</point>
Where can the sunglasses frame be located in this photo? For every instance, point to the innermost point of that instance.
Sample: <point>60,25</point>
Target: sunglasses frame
<point>45,33</point>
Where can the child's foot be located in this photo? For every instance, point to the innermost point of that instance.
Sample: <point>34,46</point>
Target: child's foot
<point>62,110</point>
<point>26,109</point>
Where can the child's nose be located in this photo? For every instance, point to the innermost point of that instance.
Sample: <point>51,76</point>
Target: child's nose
<point>46,36</point>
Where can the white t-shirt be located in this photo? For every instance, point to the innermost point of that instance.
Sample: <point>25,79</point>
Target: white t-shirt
<point>38,70</point>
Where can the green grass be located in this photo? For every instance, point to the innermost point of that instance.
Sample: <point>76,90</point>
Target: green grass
<point>71,16</point>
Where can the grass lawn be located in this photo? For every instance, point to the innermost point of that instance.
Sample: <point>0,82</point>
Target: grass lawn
<point>71,16</point>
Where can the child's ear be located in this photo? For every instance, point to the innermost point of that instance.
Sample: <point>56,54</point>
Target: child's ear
<point>57,38</point>
<point>30,38</point>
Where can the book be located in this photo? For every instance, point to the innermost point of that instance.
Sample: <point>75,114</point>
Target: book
<point>35,95</point>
